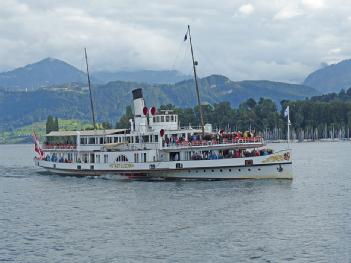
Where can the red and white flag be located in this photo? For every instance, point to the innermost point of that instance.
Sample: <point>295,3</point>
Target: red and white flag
<point>37,147</point>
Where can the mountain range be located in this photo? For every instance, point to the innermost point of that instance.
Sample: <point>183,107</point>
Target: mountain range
<point>18,108</point>
<point>52,86</point>
<point>50,71</point>
<point>331,78</point>
<point>46,72</point>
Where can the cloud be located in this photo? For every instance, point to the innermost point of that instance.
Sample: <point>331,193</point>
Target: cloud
<point>313,4</point>
<point>278,40</point>
<point>287,12</point>
<point>246,9</point>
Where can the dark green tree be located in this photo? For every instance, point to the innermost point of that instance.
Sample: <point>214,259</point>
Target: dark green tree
<point>106,125</point>
<point>123,122</point>
<point>50,124</point>
<point>57,128</point>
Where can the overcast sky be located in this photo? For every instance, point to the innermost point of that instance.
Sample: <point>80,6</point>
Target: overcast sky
<point>276,40</point>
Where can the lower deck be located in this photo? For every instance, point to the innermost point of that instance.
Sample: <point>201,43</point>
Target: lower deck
<point>277,165</point>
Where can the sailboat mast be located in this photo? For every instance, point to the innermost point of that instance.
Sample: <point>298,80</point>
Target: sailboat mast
<point>91,97</point>
<point>196,84</point>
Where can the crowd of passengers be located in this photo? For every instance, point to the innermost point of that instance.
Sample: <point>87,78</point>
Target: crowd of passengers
<point>54,158</point>
<point>216,138</point>
<point>213,155</point>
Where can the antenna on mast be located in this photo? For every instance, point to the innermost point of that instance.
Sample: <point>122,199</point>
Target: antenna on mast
<point>91,96</point>
<point>196,81</point>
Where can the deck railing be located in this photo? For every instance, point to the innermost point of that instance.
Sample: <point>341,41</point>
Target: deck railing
<point>237,140</point>
<point>59,146</point>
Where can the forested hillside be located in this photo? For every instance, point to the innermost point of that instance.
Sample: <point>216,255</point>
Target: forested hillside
<point>72,102</point>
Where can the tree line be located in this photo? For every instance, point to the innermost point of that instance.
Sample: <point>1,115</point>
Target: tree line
<point>326,116</point>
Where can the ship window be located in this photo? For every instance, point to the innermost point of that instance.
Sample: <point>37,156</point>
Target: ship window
<point>122,158</point>
<point>249,169</point>
<point>204,171</point>
<point>172,118</point>
<point>115,139</point>
<point>156,138</point>
<point>92,140</point>
<point>144,155</point>
<point>101,140</point>
<point>105,158</point>
<point>158,119</point>
<point>146,138</point>
<point>175,118</point>
<point>230,170</point>
<point>162,118</point>
<point>167,118</point>
<point>154,119</point>
<point>136,139</point>
<point>259,169</point>
<point>109,139</point>
<point>212,171</point>
<point>220,170</point>
<point>239,170</point>
<point>82,140</point>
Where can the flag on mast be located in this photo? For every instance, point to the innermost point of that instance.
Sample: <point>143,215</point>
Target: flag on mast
<point>37,147</point>
<point>186,34</point>
<point>286,112</point>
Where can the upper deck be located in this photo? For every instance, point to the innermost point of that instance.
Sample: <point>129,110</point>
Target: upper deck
<point>150,131</point>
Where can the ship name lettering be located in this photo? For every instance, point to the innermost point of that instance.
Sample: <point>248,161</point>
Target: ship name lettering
<point>121,165</point>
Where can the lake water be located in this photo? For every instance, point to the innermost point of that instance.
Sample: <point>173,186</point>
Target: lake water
<point>48,218</point>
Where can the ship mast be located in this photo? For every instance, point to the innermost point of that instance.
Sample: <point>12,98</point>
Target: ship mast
<point>196,83</point>
<point>91,97</point>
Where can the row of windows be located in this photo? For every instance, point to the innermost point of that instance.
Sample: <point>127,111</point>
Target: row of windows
<point>140,157</point>
<point>93,158</point>
<point>130,139</point>
<point>165,118</point>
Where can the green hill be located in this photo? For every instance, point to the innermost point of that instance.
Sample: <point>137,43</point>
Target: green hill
<point>18,109</point>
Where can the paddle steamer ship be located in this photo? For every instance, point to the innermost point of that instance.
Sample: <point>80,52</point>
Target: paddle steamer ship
<point>155,146</point>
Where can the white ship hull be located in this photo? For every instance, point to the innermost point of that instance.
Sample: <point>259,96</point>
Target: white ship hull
<point>275,166</point>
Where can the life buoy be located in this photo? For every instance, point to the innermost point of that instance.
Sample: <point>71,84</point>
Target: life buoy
<point>145,110</point>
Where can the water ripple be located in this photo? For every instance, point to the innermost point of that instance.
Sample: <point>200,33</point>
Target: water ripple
<point>49,218</point>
